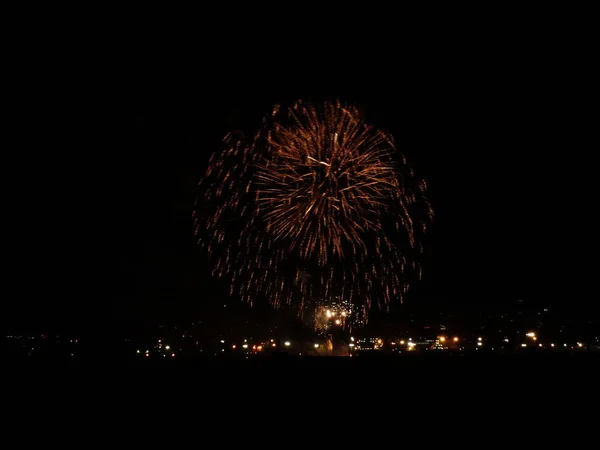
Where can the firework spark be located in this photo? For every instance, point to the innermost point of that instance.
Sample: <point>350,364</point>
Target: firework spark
<point>318,205</point>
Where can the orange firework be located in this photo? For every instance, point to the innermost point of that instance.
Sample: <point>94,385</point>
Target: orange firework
<point>318,205</point>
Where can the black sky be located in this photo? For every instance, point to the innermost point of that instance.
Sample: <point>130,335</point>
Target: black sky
<point>495,120</point>
<point>490,125</point>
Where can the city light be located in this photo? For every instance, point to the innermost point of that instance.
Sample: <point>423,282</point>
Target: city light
<point>340,337</point>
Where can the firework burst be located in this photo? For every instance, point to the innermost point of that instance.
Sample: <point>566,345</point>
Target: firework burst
<point>318,205</point>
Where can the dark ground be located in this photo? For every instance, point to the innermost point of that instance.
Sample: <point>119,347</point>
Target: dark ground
<point>583,360</point>
<point>504,391</point>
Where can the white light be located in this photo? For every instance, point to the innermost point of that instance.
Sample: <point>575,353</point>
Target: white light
<point>479,344</point>
<point>222,341</point>
<point>316,345</point>
<point>287,343</point>
<point>479,339</point>
<point>167,347</point>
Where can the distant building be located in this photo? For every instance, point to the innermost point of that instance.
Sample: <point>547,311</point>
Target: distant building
<point>368,344</point>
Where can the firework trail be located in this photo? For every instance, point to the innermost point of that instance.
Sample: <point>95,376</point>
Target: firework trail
<point>318,205</point>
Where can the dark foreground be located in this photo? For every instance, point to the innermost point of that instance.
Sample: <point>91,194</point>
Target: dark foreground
<point>510,382</point>
<point>575,360</point>
<point>382,361</point>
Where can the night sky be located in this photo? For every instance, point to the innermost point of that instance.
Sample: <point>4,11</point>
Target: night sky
<point>494,124</point>
<point>491,132</point>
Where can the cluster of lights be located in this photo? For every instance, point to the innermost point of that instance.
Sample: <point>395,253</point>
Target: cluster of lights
<point>332,315</point>
<point>361,344</point>
<point>367,343</point>
<point>335,314</point>
<point>160,348</point>
<point>533,337</point>
<point>255,347</point>
<point>444,339</point>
